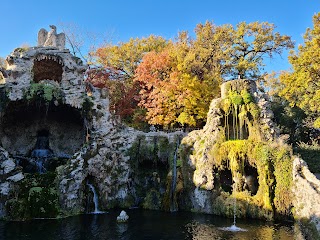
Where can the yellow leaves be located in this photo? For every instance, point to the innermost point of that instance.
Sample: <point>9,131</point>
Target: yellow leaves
<point>186,119</point>
<point>302,86</point>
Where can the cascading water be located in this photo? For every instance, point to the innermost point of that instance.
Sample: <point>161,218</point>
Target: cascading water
<point>41,152</point>
<point>95,199</point>
<point>173,204</point>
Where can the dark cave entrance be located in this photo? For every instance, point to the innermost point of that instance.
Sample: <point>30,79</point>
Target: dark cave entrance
<point>251,181</point>
<point>31,132</point>
<point>225,180</point>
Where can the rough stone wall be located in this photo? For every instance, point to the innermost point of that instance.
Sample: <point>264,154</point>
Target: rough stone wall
<point>306,192</point>
<point>104,162</point>
<point>103,159</point>
<point>199,170</point>
<point>208,136</point>
<point>20,72</point>
<point>10,176</point>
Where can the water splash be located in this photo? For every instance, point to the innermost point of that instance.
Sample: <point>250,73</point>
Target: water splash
<point>233,227</point>
<point>95,199</point>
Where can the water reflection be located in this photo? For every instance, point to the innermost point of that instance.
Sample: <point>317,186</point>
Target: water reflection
<point>144,225</point>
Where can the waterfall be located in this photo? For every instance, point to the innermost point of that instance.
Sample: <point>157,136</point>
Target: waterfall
<point>41,152</point>
<point>95,199</point>
<point>40,156</point>
<point>173,204</point>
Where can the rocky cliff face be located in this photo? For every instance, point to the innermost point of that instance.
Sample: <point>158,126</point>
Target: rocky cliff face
<point>53,124</point>
<point>306,191</point>
<point>57,137</point>
<point>238,155</point>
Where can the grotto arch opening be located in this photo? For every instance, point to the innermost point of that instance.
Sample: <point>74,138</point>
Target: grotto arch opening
<point>47,67</point>
<point>251,182</point>
<point>33,130</point>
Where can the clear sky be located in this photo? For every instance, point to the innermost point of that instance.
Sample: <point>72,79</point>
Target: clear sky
<point>120,20</point>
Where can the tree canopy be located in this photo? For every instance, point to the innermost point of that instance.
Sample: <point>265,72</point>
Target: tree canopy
<point>172,83</point>
<point>116,72</point>
<point>301,87</point>
<point>179,83</point>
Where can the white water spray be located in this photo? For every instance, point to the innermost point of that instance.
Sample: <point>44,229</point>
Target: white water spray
<point>233,227</point>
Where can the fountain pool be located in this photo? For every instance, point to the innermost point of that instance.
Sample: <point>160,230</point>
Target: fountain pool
<point>145,224</point>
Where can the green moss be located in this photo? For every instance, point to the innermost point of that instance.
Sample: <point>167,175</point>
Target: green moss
<point>43,202</point>
<point>247,97</point>
<point>308,229</point>
<point>274,166</point>
<point>152,201</point>
<point>283,181</point>
<point>44,91</point>
<point>240,115</point>
<point>235,98</point>
<point>21,49</point>
<point>37,198</point>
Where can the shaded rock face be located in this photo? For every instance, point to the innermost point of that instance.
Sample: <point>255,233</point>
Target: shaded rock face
<point>22,125</point>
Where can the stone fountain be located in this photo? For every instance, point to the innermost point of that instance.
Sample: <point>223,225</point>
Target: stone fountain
<point>57,134</point>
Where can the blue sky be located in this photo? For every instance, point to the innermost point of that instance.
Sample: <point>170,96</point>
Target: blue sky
<point>119,20</point>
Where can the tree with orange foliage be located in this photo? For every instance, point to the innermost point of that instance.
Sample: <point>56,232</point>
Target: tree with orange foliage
<point>118,64</point>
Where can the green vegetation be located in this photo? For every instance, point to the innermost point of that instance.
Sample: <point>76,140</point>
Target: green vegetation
<point>240,115</point>
<point>301,87</point>
<point>44,91</point>
<point>37,198</point>
<point>239,146</point>
<point>151,161</point>
<point>171,83</point>
<point>311,154</point>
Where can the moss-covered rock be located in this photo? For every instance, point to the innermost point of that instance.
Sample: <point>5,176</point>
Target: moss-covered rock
<point>37,198</point>
<point>152,200</point>
<point>236,157</point>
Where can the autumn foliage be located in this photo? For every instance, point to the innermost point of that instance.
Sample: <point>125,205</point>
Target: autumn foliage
<point>171,83</point>
<point>301,87</point>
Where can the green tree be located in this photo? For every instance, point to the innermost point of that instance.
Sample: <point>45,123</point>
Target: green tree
<point>302,85</point>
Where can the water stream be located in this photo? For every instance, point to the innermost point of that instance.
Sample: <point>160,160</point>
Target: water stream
<point>41,151</point>
<point>233,227</point>
<point>173,205</point>
<point>95,199</point>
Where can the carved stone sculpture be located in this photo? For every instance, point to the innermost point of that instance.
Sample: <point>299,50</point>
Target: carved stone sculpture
<point>51,38</point>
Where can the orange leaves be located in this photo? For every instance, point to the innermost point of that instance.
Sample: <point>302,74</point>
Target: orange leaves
<point>159,87</point>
